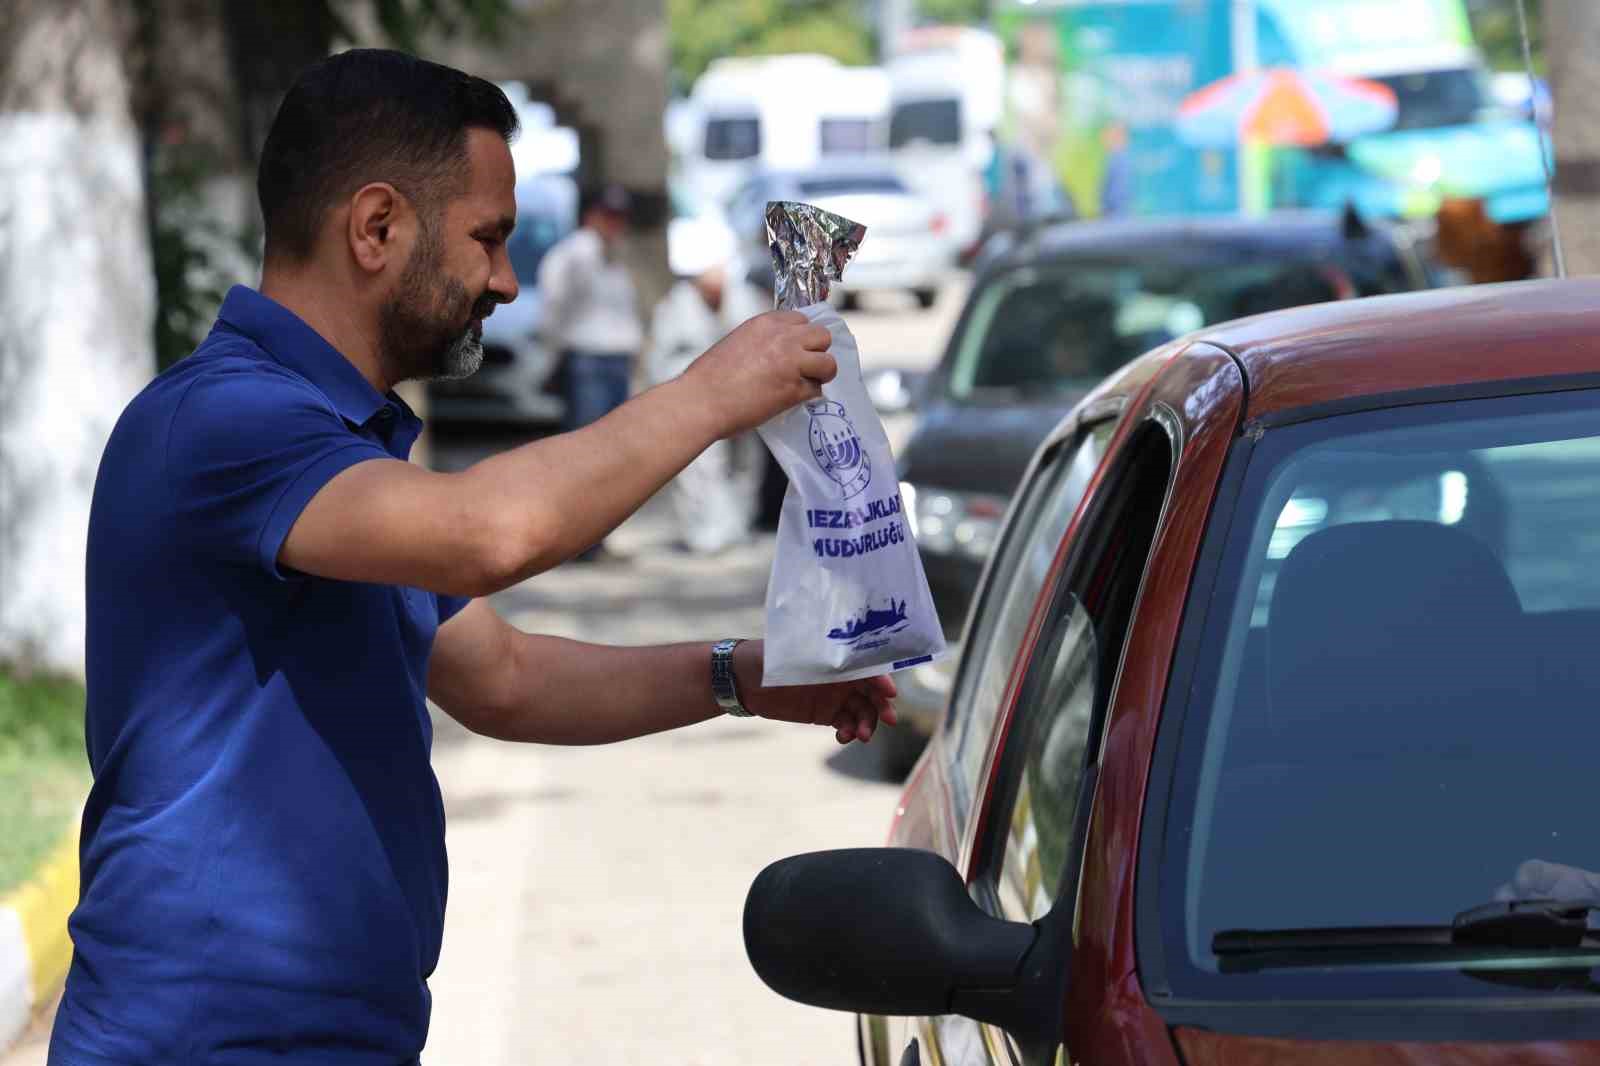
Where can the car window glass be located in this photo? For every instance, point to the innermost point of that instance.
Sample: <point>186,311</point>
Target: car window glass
<point>1069,683</point>
<point>933,121</point>
<point>1040,826</point>
<point>536,234</point>
<point>733,138</point>
<point>1429,99</point>
<point>1034,330</point>
<point>1044,509</point>
<point>747,207</point>
<point>1395,711</point>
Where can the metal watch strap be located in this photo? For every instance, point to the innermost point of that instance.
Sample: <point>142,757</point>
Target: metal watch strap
<point>722,683</point>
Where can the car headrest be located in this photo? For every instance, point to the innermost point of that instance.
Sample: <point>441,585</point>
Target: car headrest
<point>1386,626</point>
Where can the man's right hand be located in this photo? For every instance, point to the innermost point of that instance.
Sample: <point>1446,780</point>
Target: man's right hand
<point>764,367</point>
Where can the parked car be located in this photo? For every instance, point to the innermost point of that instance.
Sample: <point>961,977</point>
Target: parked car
<point>908,244</point>
<point>1274,724</point>
<point>1049,318</point>
<point>518,381</point>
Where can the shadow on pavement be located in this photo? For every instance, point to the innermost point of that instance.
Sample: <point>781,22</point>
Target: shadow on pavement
<point>862,762</point>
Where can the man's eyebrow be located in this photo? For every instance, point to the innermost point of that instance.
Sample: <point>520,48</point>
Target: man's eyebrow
<point>502,226</point>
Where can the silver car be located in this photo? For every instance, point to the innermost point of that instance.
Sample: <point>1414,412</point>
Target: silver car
<point>908,245</point>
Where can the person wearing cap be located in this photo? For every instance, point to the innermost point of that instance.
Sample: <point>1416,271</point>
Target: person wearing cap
<point>591,309</point>
<point>713,498</point>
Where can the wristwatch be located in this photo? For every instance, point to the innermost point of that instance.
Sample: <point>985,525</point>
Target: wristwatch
<point>722,684</point>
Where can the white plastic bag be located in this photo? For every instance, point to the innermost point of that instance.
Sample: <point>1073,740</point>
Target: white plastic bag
<point>847,596</point>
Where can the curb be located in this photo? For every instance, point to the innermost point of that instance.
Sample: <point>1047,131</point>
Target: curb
<point>35,949</point>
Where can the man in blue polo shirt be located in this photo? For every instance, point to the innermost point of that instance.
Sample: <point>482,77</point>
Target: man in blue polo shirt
<point>274,592</point>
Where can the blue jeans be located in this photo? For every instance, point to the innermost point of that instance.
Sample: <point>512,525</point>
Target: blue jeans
<point>597,383</point>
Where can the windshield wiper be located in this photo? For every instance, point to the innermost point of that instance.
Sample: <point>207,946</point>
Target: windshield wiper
<point>1525,923</point>
<point>1505,927</point>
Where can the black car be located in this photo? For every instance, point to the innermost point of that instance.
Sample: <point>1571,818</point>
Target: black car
<point>1053,312</point>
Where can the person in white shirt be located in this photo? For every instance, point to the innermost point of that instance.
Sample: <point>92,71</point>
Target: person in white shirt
<point>591,310</point>
<point>714,498</point>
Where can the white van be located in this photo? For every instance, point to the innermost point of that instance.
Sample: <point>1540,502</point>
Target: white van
<point>778,112</point>
<point>947,91</point>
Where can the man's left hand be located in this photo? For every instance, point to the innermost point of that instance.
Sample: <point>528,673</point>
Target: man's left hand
<point>852,708</point>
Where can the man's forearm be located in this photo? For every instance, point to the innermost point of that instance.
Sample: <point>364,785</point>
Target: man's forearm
<point>570,692</point>
<point>513,515</point>
<point>549,500</point>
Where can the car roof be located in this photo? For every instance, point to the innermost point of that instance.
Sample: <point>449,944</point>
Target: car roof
<point>1302,232</point>
<point>1467,336</point>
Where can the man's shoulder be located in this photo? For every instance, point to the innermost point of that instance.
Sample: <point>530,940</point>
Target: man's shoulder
<point>228,390</point>
<point>236,372</point>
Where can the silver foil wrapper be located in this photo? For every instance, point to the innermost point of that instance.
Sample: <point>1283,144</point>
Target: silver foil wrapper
<point>810,248</point>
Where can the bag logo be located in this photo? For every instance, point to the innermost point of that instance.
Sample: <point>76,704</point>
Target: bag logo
<point>872,621</point>
<point>837,448</point>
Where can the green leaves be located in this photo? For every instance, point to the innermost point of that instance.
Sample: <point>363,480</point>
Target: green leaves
<point>406,22</point>
<point>40,715</point>
<point>1494,25</point>
<point>703,30</point>
<point>961,12</point>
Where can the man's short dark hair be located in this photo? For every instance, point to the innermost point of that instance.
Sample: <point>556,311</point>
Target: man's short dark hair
<point>370,115</point>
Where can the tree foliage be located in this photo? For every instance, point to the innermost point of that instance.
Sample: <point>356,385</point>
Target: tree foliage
<point>960,12</point>
<point>405,22</point>
<point>268,45</point>
<point>1496,29</point>
<point>703,30</point>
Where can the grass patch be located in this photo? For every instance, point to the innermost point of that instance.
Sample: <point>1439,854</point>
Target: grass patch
<point>43,771</point>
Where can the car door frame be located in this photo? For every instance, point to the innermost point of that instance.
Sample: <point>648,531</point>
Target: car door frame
<point>1198,397</point>
<point>1108,1013</point>
<point>935,823</point>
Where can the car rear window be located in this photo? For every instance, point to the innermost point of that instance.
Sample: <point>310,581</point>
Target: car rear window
<point>933,121</point>
<point>1397,707</point>
<point>535,235</point>
<point>1036,331</point>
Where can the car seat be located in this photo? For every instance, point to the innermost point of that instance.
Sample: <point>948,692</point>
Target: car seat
<point>1397,678</point>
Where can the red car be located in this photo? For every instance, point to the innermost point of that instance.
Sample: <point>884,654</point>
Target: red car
<point>1275,735</point>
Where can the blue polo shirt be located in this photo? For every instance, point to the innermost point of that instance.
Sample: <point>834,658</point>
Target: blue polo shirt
<point>263,862</point>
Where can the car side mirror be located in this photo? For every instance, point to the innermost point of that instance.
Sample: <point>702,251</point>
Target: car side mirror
<point>893,931</point>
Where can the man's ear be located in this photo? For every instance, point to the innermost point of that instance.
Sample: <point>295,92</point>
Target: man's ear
<point>377,213</point>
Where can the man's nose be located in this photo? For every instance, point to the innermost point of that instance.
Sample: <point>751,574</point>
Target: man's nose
<point>503,282</point>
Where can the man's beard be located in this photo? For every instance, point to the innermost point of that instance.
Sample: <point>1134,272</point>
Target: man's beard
<point>429,328</point>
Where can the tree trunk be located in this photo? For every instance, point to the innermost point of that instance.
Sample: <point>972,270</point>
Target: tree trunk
<point>76,300</point>
<point>1572,42</point>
